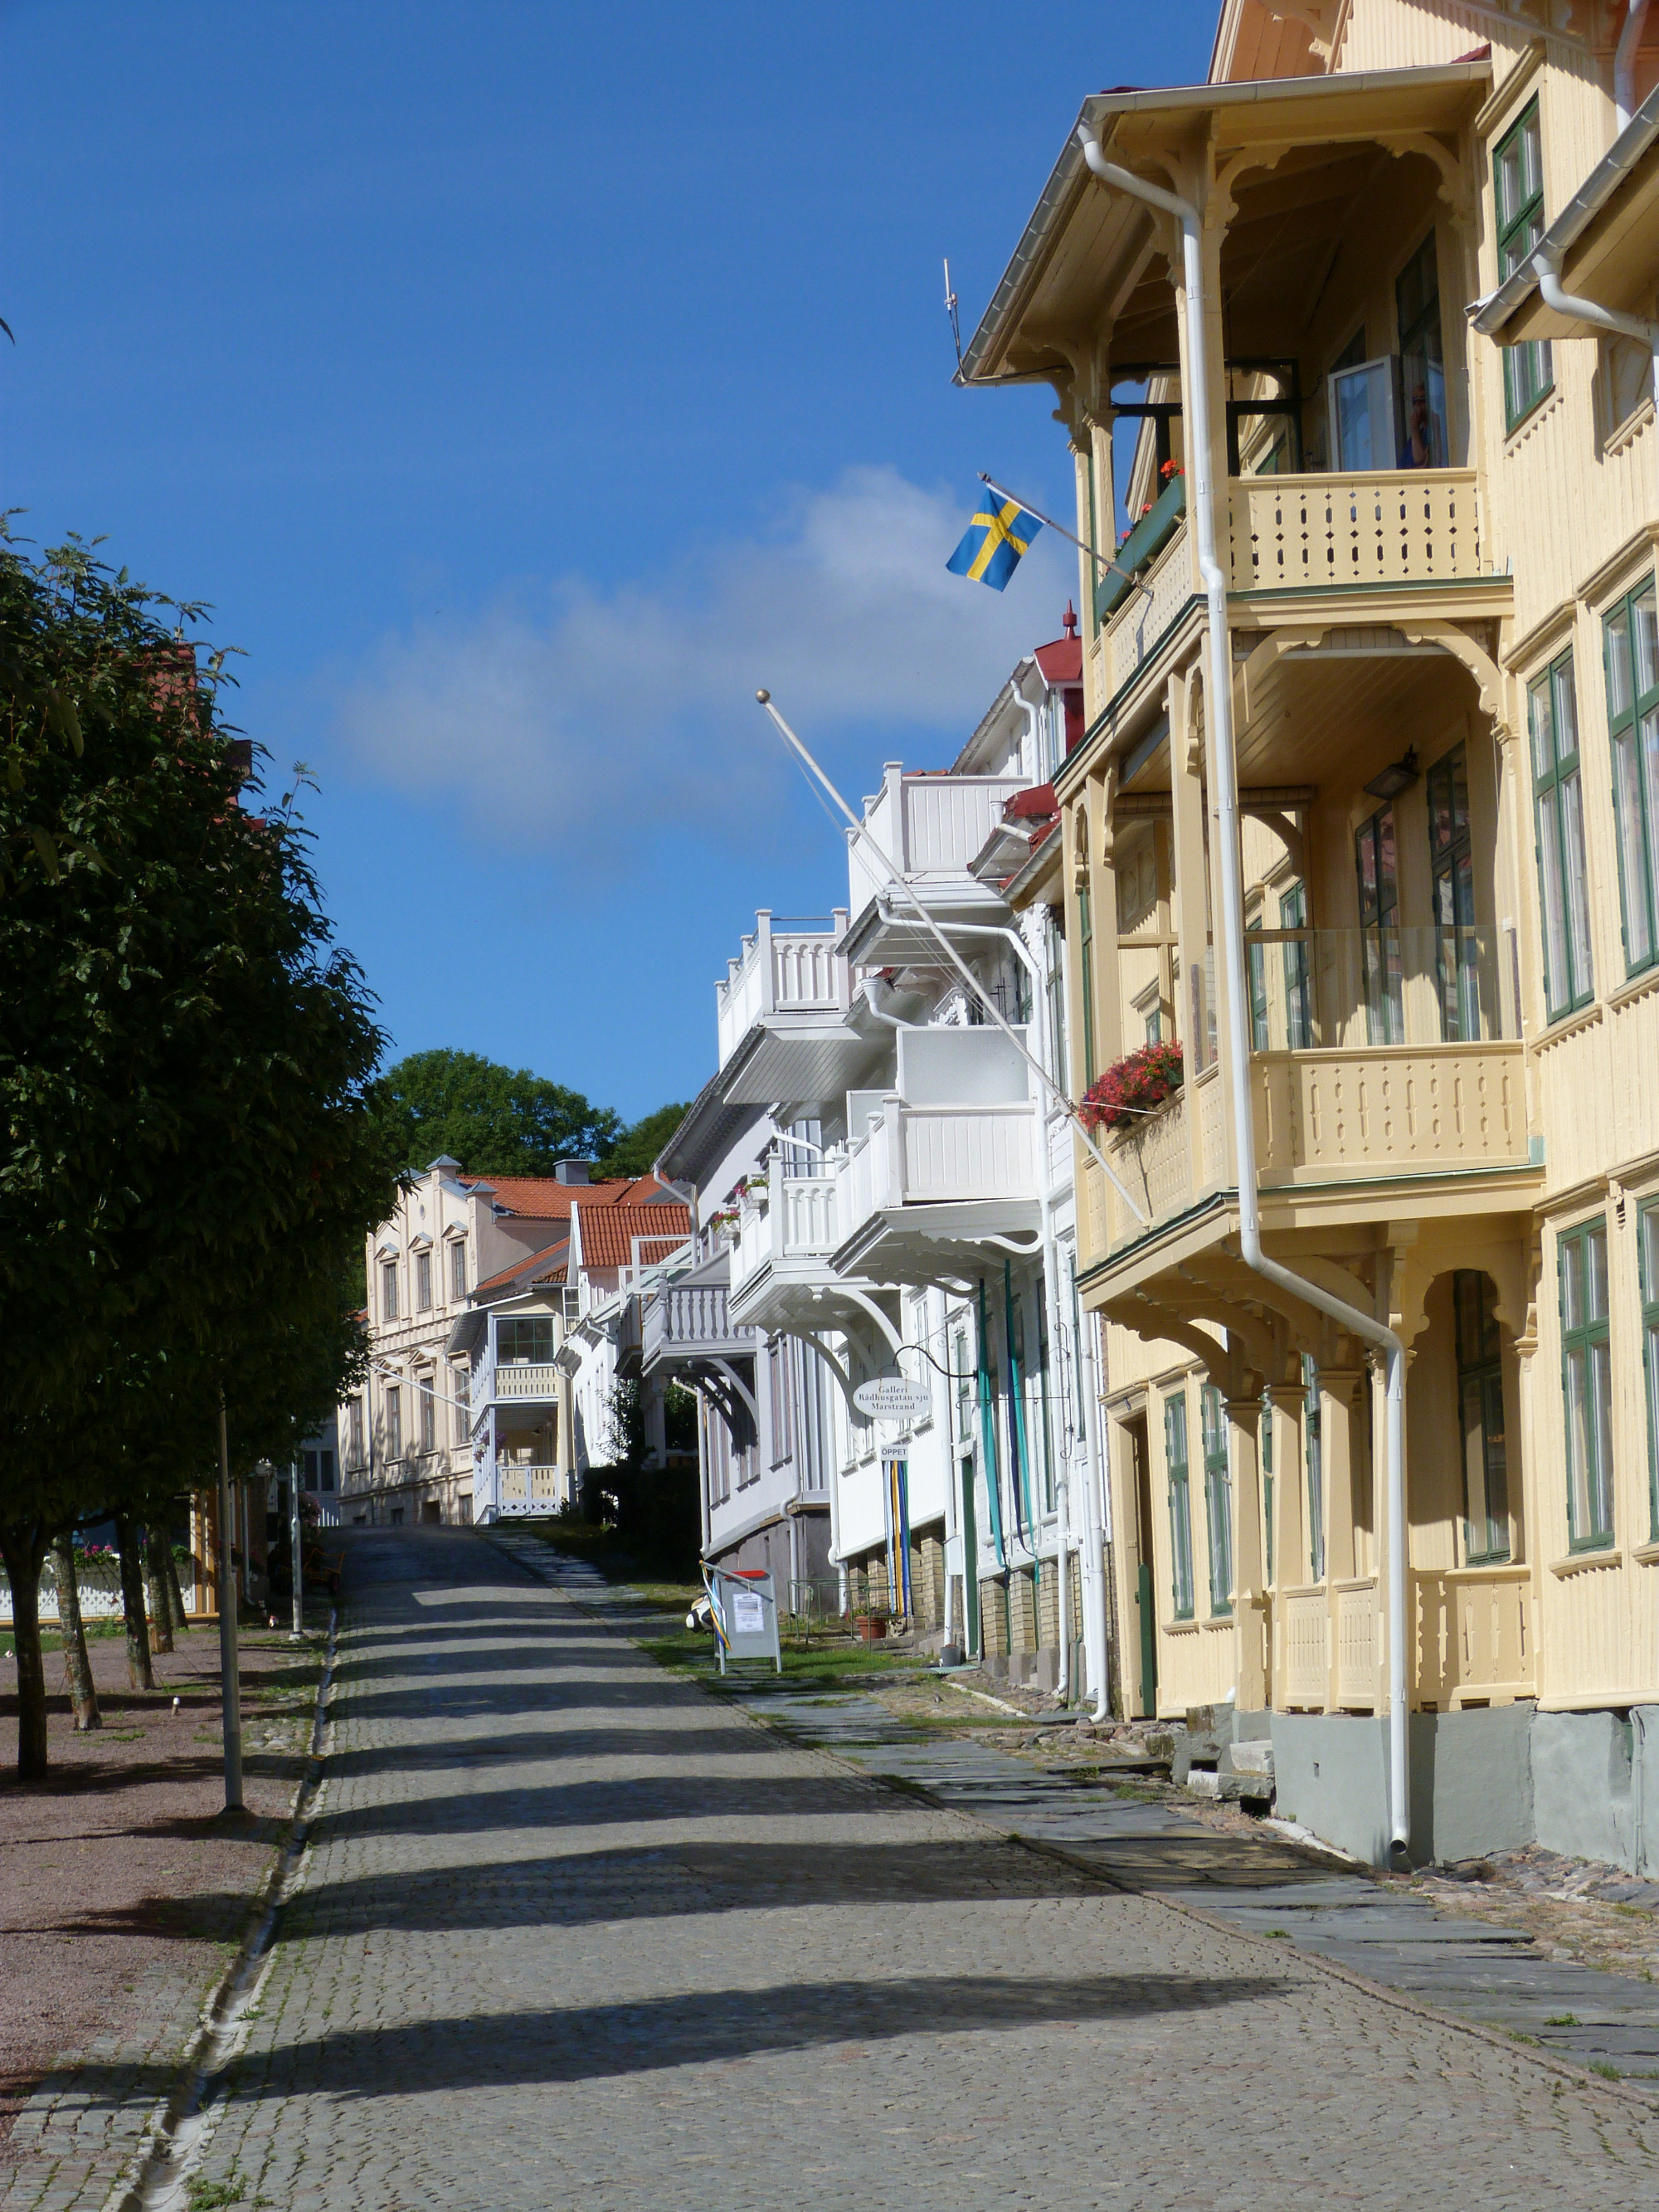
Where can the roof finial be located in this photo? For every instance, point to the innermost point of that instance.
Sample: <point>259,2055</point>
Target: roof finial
<point>1068,620</point>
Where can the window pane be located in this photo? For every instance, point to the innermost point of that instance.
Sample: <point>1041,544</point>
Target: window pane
<point>1543,732</point>
<point>1565,700</point>
<point>1572,856</point>
<point>1649,1263</point>
<point>1557,983</point>
<point>1646,643</point>
<point>1632,854</point>
<point>1619,691</point>
<point>1572,1285</point>
<point>1595,1275</point>
<point>1651,784</point>
<point>1578,1449</point>
<point>1601,1433</point>
<point>1650,1360</point>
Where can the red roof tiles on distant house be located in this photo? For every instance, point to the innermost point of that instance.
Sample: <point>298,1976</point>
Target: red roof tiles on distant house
<point>607,1234</point>
<point>543,1198</point>
<point>530,1268</point>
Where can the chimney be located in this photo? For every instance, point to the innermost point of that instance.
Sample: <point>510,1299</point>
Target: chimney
<point>571,1171</point>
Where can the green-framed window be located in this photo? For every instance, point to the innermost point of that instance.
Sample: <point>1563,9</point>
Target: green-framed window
<point>1298,997</point>
<point>1422,371</point>
<point>1379,927</point>
<point>1480,1407</point>
<point>1255,957</point>
<point>1267,1481</point>
<point>1558,825</point>
<point>1586,1384</point>
<point>1451,868</point>
<point>1218,1502</point>
<point>1647,1246</point>
<point>1315,1453</point>
<point>1086,981</point>
<point>1181,1517</point>
<point>1629,638</point>
<point>1517,168</point>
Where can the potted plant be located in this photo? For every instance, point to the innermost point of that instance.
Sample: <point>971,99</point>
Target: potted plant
<point>1131,1087</point>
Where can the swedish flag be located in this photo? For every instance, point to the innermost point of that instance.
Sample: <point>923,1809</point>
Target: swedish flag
<point>990,546</point>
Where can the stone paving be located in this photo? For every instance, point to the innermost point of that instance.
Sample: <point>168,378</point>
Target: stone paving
<point>574,1933</point>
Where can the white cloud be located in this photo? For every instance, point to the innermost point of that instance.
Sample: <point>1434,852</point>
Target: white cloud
<point>579,716</point>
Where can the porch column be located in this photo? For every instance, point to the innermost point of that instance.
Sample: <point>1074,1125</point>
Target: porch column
<point>1249,1578</point>
<point>1290,1521</point>
<point>1192,907</point>
<point>1344,1402</point>
<point>1108,973</point>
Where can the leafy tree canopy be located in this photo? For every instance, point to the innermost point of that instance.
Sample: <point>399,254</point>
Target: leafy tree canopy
<point>494,1120</point>
<point>636,1149</point>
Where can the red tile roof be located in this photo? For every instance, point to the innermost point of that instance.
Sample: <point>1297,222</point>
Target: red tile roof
<point>1062,661</point>
<point>524,1265</point>
<point>607,1234</point>
<point>541,1197</point>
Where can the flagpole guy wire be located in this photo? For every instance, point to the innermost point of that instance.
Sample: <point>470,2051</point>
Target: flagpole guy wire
<point>1112,568</point>
<point>1067,1104</point>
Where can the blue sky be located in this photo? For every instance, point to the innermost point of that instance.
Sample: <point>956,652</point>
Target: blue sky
<point>524,384</point>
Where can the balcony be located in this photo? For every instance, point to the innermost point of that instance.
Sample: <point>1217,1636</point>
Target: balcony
<point>791,969</point>
<point>686,1323</point>
<point>787,1230</point>
<point>932,828</point>
<point>1472,1636</point>
<point>922,1185</point>
<point>1380,1056</point>
<point>1308,533</point>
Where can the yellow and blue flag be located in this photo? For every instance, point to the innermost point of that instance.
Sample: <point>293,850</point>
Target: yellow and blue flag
<point>990,546</point>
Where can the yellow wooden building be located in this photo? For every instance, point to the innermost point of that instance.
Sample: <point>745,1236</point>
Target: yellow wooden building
<point>1366,819</point>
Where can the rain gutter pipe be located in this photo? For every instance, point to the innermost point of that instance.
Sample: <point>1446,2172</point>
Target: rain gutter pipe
<point>1219,709</point>
<point>1624,65</point>
<point>1546,267</point>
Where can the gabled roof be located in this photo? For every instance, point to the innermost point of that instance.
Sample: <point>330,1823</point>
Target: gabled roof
<point>607,1236</point>
<point>1062,661</point>
<point>547,1265</point>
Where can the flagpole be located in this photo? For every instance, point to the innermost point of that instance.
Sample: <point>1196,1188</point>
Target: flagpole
<point>1112,566</point>
<point>903,885</point>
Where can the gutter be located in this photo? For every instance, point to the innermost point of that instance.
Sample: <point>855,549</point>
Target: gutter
<point>1489,315</point>
<point>1219,712</point>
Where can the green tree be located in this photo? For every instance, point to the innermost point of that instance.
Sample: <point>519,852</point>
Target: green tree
<point>635,1152</point>
<point>188,1143</point>
<point>494,1120</point>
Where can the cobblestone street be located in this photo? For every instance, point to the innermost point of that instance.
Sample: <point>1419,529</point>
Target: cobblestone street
<point>574,1933</point>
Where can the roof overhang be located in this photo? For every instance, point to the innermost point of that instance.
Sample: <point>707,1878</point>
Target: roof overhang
<point>1605,238</point>
<point>887,935</point>
<point>920,1246</point>
<point>789,1057</point>
<point>712,1124</point>
<point>1085,249</point>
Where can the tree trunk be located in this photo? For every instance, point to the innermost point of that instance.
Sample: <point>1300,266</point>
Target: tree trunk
<point>22,1547</point>
<point>132,1606</point>
<point>161,1608</point>
<point>77,1668</point>
<point>176,1596</point>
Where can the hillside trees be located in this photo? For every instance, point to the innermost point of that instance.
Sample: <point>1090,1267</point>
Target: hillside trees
<point>189,1155</point>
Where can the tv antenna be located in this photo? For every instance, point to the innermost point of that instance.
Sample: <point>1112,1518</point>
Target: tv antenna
<point>950,310</point>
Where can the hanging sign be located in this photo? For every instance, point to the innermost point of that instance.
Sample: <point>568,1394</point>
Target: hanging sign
<point>892,1398</point>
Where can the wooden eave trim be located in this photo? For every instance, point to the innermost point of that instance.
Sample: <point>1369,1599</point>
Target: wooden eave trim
<point>1541,640</point>
<point>1508,95</point>
<point>1616,574</point>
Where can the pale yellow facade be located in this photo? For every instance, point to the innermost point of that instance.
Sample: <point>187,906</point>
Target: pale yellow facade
<point>1451,1134</point>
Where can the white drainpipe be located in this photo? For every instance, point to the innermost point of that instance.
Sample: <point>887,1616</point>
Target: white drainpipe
<point>1546,267</point>
<point>1218,708</point>
<point>1624,62</point>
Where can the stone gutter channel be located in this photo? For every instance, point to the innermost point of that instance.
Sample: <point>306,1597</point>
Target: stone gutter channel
<point>1495,1981</point>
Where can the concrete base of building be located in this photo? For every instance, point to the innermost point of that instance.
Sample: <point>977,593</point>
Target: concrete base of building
<point>1034,1670</point>
<point>1487,1779</point>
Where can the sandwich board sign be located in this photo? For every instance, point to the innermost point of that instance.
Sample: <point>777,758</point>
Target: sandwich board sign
<point>894,1398</point>
<point>745,1609</point>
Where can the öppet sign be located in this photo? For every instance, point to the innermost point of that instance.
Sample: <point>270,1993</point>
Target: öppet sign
<point>892,1398</point>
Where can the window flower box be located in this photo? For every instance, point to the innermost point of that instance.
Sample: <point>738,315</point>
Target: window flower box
<point>1156,527</point>
<point>1131,1087</point>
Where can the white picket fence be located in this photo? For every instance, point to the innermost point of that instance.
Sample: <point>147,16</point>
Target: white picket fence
<point>98,1580</point>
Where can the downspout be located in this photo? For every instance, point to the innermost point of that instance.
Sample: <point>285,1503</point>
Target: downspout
<point>988,1430</point>
<point>1624,66</point>
<point>1218,708</point>
<point>1546,267</point>
<point>1094,1468</point>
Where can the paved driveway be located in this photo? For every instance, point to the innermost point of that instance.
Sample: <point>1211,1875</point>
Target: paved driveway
<point>575,1933</point>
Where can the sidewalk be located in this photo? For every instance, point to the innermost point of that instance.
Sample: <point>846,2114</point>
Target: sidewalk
<point>1494,1976</point>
